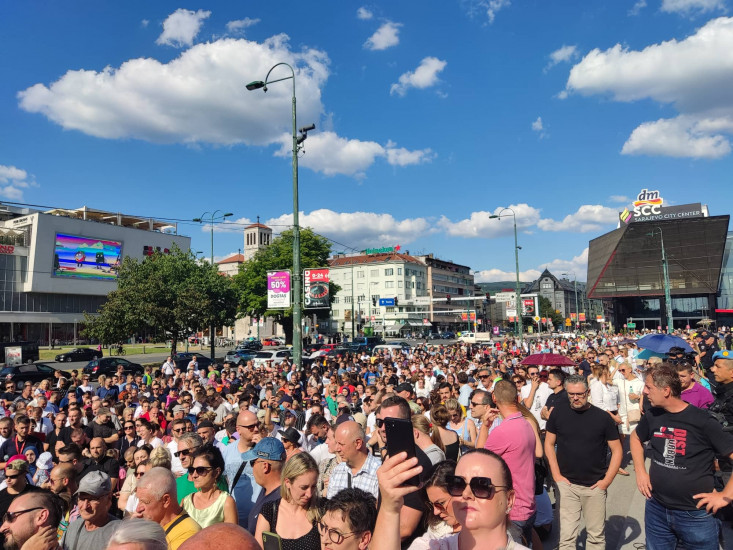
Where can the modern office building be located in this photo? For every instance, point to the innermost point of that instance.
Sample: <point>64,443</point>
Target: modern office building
<point>626,268</point>
<point>447,279</point>
<point>58,264</point>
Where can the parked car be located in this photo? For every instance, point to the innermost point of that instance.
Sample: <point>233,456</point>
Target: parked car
<point>311,348</point>
<point>448,335</point>
<point>108,366</point>
<point>251,345</point>
<point>19,374</point>
<point>273,341</point>
<point>276,356</point>
<point>434,336</point>
<point>79,354</point>
<point>240,356</point>
<point>184,358</point>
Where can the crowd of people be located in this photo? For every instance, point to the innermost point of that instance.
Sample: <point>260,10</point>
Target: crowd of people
<point>281,457</point>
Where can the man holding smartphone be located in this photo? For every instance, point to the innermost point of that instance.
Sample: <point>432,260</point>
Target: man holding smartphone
<point>412,511</point>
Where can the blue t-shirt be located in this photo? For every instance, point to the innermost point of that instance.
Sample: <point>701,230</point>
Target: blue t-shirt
<point>247,490</point>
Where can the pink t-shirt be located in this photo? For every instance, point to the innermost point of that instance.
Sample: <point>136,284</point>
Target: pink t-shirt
<point>514,441</point>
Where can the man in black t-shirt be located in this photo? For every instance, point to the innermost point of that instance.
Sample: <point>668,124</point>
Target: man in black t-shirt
<point>582,433</point>
<point>707,345</point>
<point>683,441</point>
<point>556,380</point>
<point>16,444</point>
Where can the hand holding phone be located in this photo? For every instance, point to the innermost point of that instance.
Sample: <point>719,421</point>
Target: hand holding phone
<point>401,439</point>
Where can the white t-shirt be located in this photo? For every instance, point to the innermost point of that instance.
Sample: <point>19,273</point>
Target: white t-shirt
<point>540,398</point>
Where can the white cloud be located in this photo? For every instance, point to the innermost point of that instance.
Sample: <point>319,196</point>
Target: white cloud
<point>12,182</point>
<point>489,8</point>
<point>578,264</point>
<point>424,76</point>
<point>385,37</point>
<point>364,13</point>
<point>497,275</point>
<point>238,26</point>
<point>358,229</point>
<point>144,23</point>
<point>689,7</point>
<point>589,217</point>
<point>677,137</point>
<point>620,199</point>
<point>198,97</point>
<point>637,7</point>
<point>564,54</point>
<point>331,154</point>
<point>181,27</point>
<point>694,75</point>
<point>538,127</point>
<point>481,225</point>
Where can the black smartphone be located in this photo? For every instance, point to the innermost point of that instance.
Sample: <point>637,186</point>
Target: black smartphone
<point>401,439</point>
<point>271,541</point>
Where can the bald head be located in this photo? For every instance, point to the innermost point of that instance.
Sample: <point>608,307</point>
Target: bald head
<point>247,418</point>
<point>221,535</point>
<point>159,481</point>
<point>350,431</point>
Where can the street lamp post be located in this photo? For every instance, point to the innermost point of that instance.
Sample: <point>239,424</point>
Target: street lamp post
<point>516,261</point>
<point>353,319</point>
<point>297,140</point>
<point>212,218</point>
<point>665,274</point>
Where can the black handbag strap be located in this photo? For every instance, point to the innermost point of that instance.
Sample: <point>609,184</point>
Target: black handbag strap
<point>172,526</point>
<point>238,475</point>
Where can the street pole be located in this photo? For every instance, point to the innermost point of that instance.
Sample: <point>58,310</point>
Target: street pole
<point>516,262</point>
<point>297,274</point>
<point>200,219</point>
<point>665,275</point>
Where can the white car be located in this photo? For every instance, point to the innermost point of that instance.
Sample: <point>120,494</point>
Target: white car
<point>276,356</point>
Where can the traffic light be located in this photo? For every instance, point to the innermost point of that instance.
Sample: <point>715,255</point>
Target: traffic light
<point>374,301</point>
<point>396,301</point>
<point>447,298</point>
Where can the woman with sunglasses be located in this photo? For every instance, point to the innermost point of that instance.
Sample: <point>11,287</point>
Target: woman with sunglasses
<point>461,425</point>
<point>482,495</point>
<point>440,518</point>
<point>209,505</point>
<point>296,515</point>
<point>450,440</point>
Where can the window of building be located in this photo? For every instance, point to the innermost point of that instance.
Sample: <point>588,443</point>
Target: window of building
<point>399,271</point>
<point>374,273</point>
<point>389,271</point>
<point>399,284</point>
<point>388,284</point>
<point>359,274</point>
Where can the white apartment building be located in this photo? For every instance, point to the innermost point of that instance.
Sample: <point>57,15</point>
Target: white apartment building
<point>368,277</point>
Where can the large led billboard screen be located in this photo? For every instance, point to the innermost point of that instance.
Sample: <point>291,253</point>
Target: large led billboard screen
<point>86,257</point>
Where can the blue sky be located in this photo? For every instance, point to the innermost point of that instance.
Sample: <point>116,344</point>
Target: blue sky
<point>430,116</point>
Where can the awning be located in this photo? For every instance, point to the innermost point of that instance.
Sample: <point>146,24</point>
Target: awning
<point>413,323</point>
<point>395,327</point>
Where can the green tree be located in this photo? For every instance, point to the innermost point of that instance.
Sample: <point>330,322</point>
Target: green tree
<point>547,310</point>
<point>251,281</point>
<point>173,293</point>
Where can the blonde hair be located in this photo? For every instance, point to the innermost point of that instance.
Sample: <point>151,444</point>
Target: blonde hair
<point>296,466</point>
<point>160,456</point>
<point>422,424</point>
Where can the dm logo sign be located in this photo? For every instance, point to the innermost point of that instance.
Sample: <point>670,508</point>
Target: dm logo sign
<point>648,203</point>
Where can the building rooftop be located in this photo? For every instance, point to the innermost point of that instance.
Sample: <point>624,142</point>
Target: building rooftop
<point>359,259</point>
<point>233,259</point>
<point>114,218</point>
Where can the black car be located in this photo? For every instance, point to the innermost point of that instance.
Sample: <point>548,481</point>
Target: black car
<point>19,374</point>
<point>79,354</point>
<point>108,366</point>
<point>251,345</point>
<point>183,359</point>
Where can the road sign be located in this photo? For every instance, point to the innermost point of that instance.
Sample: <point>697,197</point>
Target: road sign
<point>386,301</point>
<point>631,325</point>
<point>536,319</point>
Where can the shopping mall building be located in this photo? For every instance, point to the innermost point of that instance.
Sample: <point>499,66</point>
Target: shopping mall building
<point>626,268</point>
<point>56,265</point>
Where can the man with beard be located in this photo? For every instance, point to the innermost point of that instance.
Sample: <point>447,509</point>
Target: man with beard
<point>31,520</point>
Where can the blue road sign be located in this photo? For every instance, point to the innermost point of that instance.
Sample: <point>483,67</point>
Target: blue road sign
<point>386,301</point>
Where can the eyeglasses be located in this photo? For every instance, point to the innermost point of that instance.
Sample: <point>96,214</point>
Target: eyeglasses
<point>481,487</point>
<point>534,373</point>
<point>581,394</point>
<point>336,537</point>
<point>440,506</point>
<point>139,474</point>
<point>476,404</point>
<point>199,470</point>
<point>249,427</point>
<point>13,477</point>
<point>184,452</point>
<point>129,427</point>
<point>10,517</point>
<point>179,430</point>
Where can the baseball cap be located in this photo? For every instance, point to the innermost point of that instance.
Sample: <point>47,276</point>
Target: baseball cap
<point>704,334</point>
<point>403,387</point>
<point>267,448</point>
<point>177,409</point>
<point>95,483</point>
<point>291,434</point>
<point>286,399</point>
<point>19,463</point>
<point>205,424</point>
<point>723,354</point>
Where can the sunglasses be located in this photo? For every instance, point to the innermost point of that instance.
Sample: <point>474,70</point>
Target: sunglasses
<point>481,487</point>
<point>10,517</point>
<point>440,506</point>
<point>184,452</point>
<point>139,474</point>
<point>199,470</point>
<point>249,426</point>
<point>177,431</point>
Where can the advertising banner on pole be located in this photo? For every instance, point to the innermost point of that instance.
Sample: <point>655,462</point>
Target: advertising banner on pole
<point>581,317</point>
<point>278,289</point>
<point>315,288</point>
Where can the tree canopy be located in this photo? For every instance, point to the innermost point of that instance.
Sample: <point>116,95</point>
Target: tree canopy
<point>251,281</point>
<point>173,293</point>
